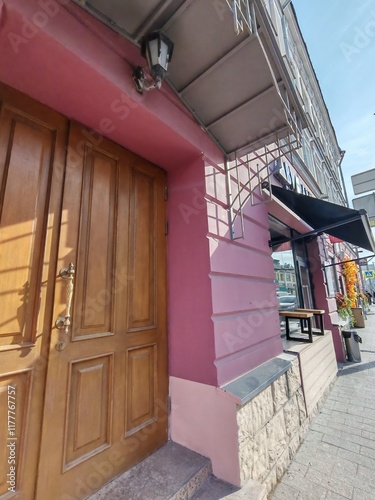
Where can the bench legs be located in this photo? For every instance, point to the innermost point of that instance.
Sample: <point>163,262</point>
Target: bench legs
<point>321,320</point>
<point>309,330</point>
<point>320,325</point>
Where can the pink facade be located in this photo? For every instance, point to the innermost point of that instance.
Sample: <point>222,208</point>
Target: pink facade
<point>217,329</point>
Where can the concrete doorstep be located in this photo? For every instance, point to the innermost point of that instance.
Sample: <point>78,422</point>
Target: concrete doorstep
<point>175,473</point>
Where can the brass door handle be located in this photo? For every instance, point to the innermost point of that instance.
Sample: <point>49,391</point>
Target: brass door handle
<point>63,322</point>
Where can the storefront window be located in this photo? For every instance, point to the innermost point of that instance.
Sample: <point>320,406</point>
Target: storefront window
<point>284,265</point>
<point>292,277</point>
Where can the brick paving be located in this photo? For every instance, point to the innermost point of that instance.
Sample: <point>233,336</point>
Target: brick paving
<point>337,459</point>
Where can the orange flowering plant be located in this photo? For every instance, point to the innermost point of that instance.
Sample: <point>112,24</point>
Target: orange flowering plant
<point>350,273</point>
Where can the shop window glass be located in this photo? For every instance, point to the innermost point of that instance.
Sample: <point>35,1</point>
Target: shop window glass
<point>292,277</point>
<point>330,278</point>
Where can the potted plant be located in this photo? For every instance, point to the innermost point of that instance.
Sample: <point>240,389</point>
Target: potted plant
<point>364,300</point>
<point>350,273</point>
<point>344,309</point>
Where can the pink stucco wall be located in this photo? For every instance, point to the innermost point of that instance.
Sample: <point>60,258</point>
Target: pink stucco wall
<point>191,338</point>
<point>244,304</point>
<point>203,418</point>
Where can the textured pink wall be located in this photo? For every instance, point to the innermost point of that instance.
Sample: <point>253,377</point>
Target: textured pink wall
<point>204,420</point>
<point>191,337</point>
<point>245,317</point>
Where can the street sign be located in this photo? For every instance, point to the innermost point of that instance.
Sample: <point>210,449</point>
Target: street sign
<point>369,274</point>
<point>367,203</point>
<point>364,182</point>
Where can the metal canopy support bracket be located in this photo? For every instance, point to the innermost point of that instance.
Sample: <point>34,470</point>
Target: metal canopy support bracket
<point>243,15</point>
<point>248,174</point>
<point>249,171</point>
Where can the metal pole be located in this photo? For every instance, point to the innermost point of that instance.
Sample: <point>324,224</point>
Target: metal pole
<point>360,271</point>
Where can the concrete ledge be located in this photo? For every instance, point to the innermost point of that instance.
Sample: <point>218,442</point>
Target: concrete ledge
<point>252,383</point>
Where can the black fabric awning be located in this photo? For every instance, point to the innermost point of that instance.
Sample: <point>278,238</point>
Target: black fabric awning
<point>345,223</point>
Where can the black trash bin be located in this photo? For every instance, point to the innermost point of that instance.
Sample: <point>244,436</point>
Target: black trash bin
<point>352,341</point>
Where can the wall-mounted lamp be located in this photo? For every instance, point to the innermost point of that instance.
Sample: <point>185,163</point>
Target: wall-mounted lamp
<point>157,48</point>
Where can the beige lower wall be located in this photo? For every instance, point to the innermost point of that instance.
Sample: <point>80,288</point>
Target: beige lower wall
<point>272,426</point>
<point>318,368</point>
<point>269,429</point>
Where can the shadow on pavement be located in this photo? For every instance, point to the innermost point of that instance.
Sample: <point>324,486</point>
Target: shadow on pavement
<point>356,368</point>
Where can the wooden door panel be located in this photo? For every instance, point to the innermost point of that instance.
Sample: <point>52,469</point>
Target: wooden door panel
<point>141,388</point>
<point>26,150</point>
<point>96,257</point>
<point>142,262</point>
<point>89,408</point>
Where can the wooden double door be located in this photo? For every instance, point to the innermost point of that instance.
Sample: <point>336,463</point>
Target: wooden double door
<point>83,397</point>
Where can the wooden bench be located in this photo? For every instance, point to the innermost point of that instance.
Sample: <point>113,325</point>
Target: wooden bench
<point>318,313</point>
<point>303,316</point>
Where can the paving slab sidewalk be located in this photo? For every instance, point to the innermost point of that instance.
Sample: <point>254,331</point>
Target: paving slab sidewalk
<point>337,459</point>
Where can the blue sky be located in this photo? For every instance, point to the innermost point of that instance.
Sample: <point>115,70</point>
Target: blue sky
<point>340,37</point>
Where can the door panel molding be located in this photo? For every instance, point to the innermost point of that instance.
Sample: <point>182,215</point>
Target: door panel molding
<point>89,408</point>
<point>27,179</point>
<point>141,388</point>
<point>94,300</point>
<point>142,261</point>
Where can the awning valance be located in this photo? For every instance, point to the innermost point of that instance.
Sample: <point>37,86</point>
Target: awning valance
<point>345,223</point>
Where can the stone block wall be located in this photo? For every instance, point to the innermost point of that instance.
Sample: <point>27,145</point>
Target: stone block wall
<point>271,427</point>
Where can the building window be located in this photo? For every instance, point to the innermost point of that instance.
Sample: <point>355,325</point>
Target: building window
<point>331,277</point>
